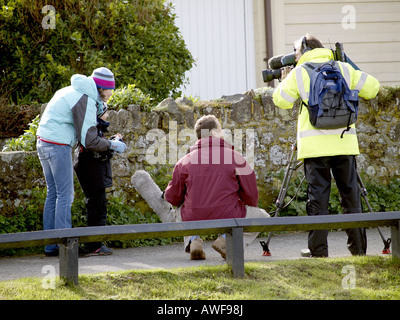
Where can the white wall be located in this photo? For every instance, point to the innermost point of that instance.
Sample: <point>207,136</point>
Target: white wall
<point>368,29</point>
<point>220,35</point>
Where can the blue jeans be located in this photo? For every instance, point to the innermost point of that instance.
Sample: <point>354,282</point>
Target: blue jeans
<point>56,161</point>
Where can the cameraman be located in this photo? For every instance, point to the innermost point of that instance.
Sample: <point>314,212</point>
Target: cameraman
<point>324,151</point>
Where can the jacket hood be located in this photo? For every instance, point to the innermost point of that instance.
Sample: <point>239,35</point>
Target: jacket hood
<point>85,85</point>
<point>316,54</point>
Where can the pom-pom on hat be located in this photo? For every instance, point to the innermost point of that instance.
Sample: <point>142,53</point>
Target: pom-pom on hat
<point>104,78</point>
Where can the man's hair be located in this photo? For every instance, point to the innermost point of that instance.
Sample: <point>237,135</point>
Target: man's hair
<point>311,43</point>
<point>205,125</point>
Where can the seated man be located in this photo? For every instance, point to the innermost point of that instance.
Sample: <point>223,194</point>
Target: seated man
<point>213,182</point>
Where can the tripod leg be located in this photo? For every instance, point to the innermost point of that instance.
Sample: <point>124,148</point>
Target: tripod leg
<point>279,202</point>
<point>292,166</point>
<point>364,193</point>
<point>282,194</point>
<point>265,244</point>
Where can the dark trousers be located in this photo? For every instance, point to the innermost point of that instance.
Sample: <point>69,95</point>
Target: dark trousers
<point>318,175</point>
<point>96,212</point>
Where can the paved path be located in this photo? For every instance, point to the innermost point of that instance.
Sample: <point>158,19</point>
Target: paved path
<point>282,246</point>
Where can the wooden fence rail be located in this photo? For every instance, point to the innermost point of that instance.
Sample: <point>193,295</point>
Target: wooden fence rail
<point>69,239</point>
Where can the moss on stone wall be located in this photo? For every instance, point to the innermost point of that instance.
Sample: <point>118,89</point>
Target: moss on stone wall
<point>258,129</point>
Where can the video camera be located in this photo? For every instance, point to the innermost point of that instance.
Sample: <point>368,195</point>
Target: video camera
<point>289,60</point>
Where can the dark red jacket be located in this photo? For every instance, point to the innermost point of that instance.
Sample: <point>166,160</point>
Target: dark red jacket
<point>212,182</point>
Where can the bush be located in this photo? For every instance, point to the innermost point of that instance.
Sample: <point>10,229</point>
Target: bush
<point>29,217</point>
<point>136,39</point>
<point>25,142</point>
<point>382,198</point>
<point>129,95</point>
<point>15,118</point>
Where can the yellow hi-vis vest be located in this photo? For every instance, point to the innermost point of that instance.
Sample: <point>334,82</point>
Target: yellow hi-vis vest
<point>313,142</point>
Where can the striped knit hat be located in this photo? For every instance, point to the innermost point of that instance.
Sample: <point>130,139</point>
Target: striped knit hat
<point>104,78</point>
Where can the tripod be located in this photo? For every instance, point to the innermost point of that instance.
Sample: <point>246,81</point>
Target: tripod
<point>292,166</point>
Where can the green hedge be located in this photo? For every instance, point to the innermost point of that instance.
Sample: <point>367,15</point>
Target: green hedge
<point>15,118</point>
<point>382,198</point>
<point>136,39</point>
<point>29,217</point>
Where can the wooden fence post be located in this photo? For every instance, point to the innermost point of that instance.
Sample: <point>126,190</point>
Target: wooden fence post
<point>68,256</point>
<point>235,251</point>
<point>395,236</point>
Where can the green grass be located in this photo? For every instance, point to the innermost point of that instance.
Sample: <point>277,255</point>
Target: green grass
<point>310,279</point>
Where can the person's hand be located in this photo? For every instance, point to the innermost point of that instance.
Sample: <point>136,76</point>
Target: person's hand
<point>285,71</point>
<point>117,146</point>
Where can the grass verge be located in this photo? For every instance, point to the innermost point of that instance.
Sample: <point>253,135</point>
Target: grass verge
<point>361,278</point>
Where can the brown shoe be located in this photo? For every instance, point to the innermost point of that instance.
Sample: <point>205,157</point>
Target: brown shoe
<point>196,250</point>
<point>220,246</point>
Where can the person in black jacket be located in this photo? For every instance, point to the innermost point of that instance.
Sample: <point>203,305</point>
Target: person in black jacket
<point>94,173</point>
<point>93,168</point>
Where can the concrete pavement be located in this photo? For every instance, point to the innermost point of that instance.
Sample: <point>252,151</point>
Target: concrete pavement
<point>282,246</point>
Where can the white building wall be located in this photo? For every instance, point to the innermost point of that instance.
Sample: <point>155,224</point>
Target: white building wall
<point>368,29</point>
<point>220,35</point>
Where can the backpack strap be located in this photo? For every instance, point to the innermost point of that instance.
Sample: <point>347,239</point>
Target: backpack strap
<point>310,67</point>
<point>316,66</point>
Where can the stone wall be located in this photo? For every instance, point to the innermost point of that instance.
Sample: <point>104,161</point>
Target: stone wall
<point>262,132</point>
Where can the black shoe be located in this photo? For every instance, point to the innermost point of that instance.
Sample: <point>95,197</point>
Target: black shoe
<point>102,251</point>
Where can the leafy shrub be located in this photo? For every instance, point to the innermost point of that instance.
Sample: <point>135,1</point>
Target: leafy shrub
<point>129,95</point>
<point>25,142</point>
<point>382,198</point>
<point>29,217</point>
<point>121,214</point>
<point>136,39</point>
<point>296,194</point>
<point>15,118</point>
<point>161,174</point>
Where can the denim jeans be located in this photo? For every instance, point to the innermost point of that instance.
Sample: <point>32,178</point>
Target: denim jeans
<point>56,161</point>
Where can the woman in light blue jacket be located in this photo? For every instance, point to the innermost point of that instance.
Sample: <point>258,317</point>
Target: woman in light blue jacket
<point>70,117</point>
